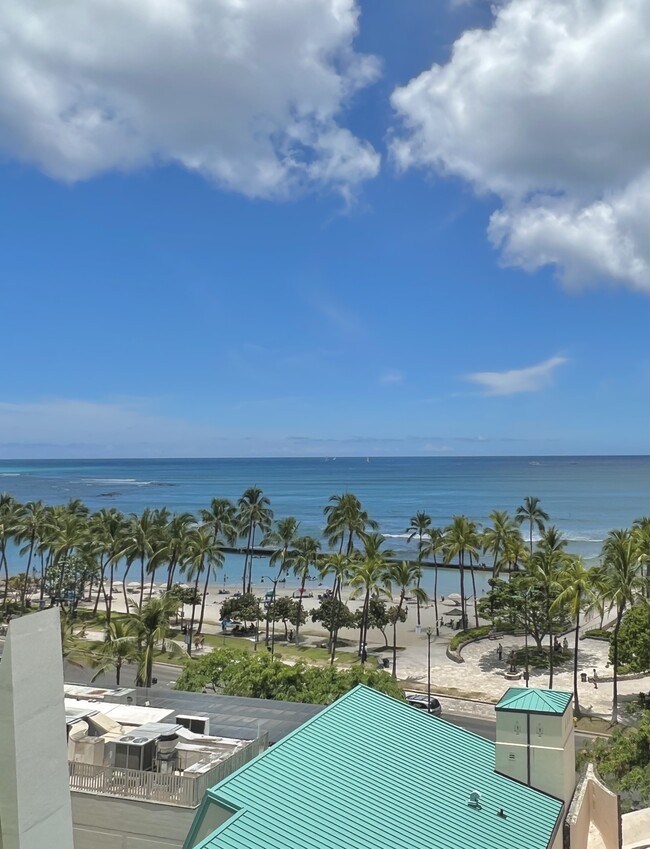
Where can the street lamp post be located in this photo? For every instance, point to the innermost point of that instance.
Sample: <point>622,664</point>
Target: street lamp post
<point>526,634</point>
<point>270,608</point>
<point>429,633</point>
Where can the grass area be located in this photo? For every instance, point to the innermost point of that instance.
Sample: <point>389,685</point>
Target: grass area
<point>597,634</point>
<point>467,636</point>
<point>540,659</point>
<point>594,724</point>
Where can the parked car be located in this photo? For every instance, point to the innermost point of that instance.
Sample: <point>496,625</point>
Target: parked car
<point>420,700</point>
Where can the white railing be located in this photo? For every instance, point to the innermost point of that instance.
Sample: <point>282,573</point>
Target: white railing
<point>173,789</point>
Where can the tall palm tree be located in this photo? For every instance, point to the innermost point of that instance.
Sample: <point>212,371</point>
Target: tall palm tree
<point>553,539</point>
<point>107,531</point>
<point>544,567</point>
<point>140,543</point>
<point>418,527</point>
<point>515,551</point>
<point>432,545</point>
<point>623,583</point>
<point>337,565</point>
<point>254,511</point>
<point>346,521</point>
<point>203,556</point>
<point>494,537</point>
<point>304,556</point>
<point>641,534</point>
<point>117,648</point>
<point>69,532</point>
<point>28,528</point>
<point>149,625</point>
<point>282,538</point>
<point>531,512</point>
<point>405,577</point>
<point>368,577</point>
<point>577,593</point>
<point>461,539</point>
<point>172,542</point>
<point>9,509</point>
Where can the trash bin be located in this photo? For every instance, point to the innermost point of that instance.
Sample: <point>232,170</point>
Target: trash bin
<point>583,677</point>
<point>418,629</point>
<point>386,662</point>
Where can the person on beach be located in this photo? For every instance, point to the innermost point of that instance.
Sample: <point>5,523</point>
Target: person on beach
<point>595,679</point>
<point>500,651</point>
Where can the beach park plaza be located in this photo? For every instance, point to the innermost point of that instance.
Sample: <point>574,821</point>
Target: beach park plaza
<point>366,772</point>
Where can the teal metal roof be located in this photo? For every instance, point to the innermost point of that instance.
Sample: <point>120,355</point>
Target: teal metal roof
<point>370,771</point>
<point>534,700</point>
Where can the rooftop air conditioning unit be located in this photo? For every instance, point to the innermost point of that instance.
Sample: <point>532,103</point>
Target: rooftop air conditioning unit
<point>196,723</point>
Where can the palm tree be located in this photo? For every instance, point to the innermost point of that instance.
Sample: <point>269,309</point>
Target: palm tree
<point>29,525</point>
<point>531,512</point>
<point>202,556</point>
<point>68,532</point>
<point>149,625</point>
<point>368,576</point>
<point>222,518</point>
<point>346,520</point>
<point>337,565</point>
<point>494,538</point>
<point>140,542</point>
<point>432,545</point>
<point>577,594</point>
<point>553,539</point>
<point>641,534</point>
<point>107,531</point>
<point>282,538</point>
<point>254,511</point>
<point>461,538</point>
<point>544,568</point>
<point>623,583</point>
<point>515,551</point>
<point>9,509</point>
<point>117,648</point>
<point>405,577</point>
<point>304,555</point>
<point>418,527</point>
<point>171,545</point>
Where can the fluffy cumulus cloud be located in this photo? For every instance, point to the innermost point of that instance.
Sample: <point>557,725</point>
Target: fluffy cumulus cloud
<point>514,381</point>
<point>248,93</point>
<point>547,109</point>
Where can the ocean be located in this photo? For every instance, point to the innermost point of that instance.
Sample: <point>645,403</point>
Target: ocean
<point>584,496</point>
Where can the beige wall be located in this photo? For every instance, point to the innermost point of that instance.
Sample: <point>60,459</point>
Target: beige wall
<point>106,822</point>
<point>594,805</point>
<point>552,751</point>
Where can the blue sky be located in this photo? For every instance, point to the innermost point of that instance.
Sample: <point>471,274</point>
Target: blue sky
<point>375,228</point>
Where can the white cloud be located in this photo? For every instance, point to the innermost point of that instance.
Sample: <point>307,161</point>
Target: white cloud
<point>547,109</point>
<point>391,375</point>
<point>247,93</point>
<point>512,382</point>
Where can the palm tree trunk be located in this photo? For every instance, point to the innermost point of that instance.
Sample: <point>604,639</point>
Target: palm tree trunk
<point>205,595</point>
<point>141,580</point>
<point>100,588</point>
<point>575,667</point>
<point>248,549</point>
<point>250,561</point>
<point>6,571</point>
<point>23,592</point>
<point>462,591</point>
<point>399,610</point>
<point>42,593</point>
<point>364,627</point>
<point>302,590</point>
<point>531,536</point>
<point>109,598</point>
<point>417,600</point>
<point>338,601</point>
<point>619,618</point>
<point>550,640</point>
<point>126,574</point>
<point>118,670</point>
<point>471,569</point>
<point>435,594</point>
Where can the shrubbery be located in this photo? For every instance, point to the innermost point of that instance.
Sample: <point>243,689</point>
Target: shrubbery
<point>467,636</point>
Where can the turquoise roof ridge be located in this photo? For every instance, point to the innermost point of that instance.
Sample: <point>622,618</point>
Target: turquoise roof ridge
<point>370,771</point>
<point>534,700</point>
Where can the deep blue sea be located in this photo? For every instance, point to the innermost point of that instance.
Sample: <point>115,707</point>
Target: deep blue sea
<point>585,496</point>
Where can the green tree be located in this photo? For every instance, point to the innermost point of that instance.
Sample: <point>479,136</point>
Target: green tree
<point>346,521</point>
<point>494,537</point>
<point>544,568</point>
<point>282,538</point>
<point>245,608</point>
<point>368,575</point>
<point>420,524</point>
<point>304,556</point>
<point>253,513</point>
<point>403,578</point>
<point>149,624</point>
<point>433,545</point>
<point>288,611</point>
<point>376,617</point>
<point>333,614</point>
<point>577,594</point>
<point>117,648</point>
<point>461,540</point>
<point>28,527</point>
<point>634,639</point>
<point>531,512</point>
<point>203,555</point>
<point>337,565</point>
<point>623,584</point>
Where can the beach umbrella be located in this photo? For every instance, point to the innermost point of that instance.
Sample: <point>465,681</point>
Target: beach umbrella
<point>455,612</point>
<point>453,598</point>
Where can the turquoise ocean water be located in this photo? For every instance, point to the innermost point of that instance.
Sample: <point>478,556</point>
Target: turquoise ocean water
<point>585,496</point>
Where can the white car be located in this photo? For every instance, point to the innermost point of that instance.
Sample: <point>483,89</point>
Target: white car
<point>420,700</point>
